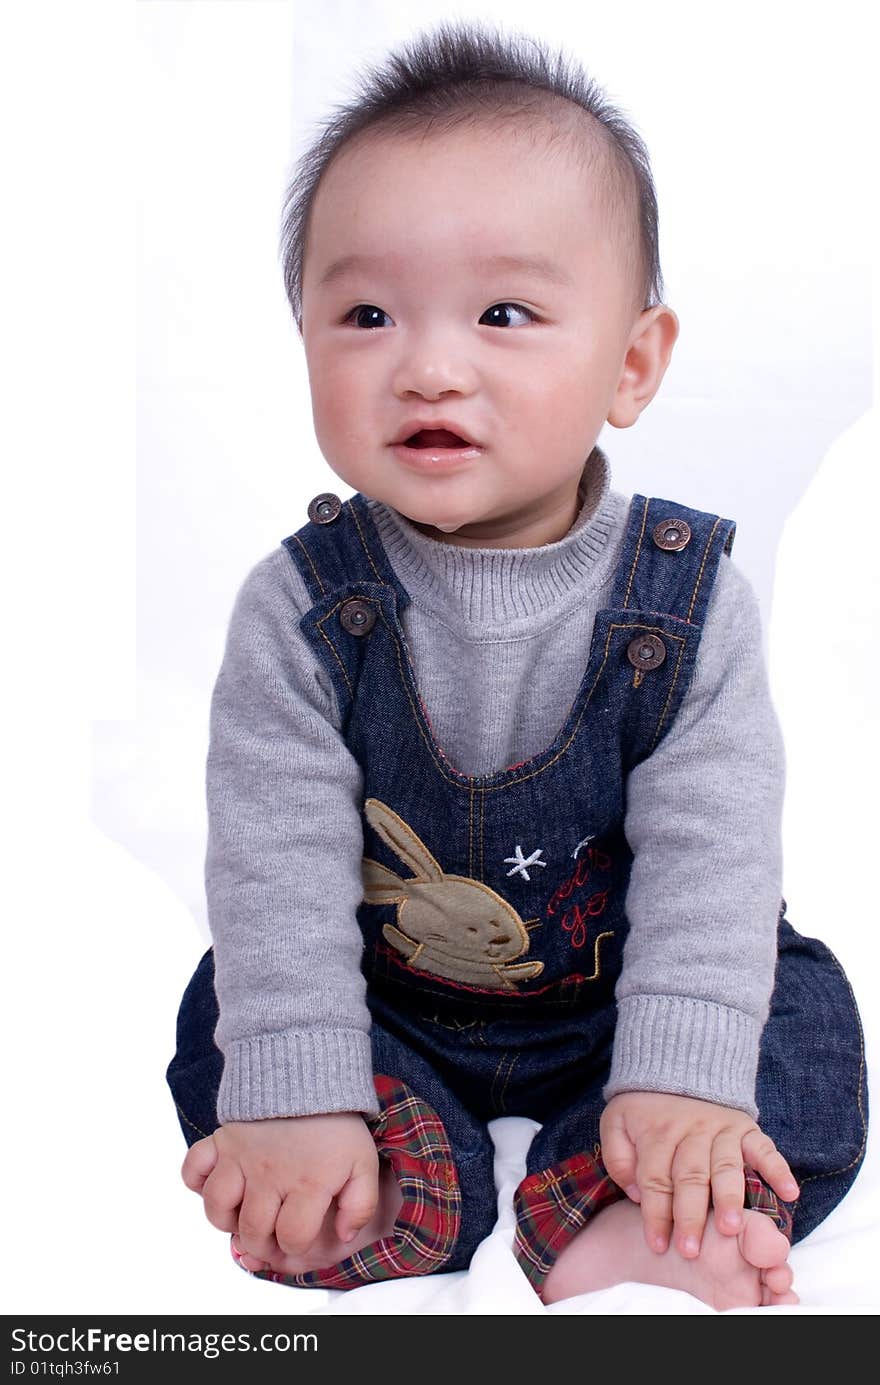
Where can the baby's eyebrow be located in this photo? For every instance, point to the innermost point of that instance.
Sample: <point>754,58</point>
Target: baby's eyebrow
<point>537,265</point>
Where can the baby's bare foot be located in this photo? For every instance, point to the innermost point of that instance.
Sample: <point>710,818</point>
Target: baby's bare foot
<point>745,1271</point>
<point>328,1249</point>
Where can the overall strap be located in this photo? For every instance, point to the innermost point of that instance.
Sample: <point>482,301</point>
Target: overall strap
<point>669,559</point>
<point>339,546</point>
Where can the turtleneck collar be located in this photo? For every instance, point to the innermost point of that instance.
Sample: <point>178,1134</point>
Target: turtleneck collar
<point>487,592</point>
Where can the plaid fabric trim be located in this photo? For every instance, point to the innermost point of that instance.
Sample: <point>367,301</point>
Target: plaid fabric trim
<point>410,1135</point>
<point>760,1197</point>
<point>553,1205</point>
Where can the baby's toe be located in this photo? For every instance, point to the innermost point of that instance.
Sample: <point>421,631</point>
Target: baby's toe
<point>761,1242</point>
<point>778,1278</point>
<point>780,1300</point>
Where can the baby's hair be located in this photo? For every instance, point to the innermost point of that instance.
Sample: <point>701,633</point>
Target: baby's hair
<point>469,74</point>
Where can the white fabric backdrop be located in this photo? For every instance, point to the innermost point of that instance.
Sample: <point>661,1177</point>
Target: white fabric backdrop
<point>758,138</point>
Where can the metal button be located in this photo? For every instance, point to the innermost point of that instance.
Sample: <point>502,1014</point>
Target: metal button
<point>672,534</point>
<point>646,652</point>
<point>325,508</point>
<point>357,617</point>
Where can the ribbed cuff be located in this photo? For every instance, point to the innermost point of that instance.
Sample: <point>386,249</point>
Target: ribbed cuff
<point>688,1047</point>
<point>297,1073</point>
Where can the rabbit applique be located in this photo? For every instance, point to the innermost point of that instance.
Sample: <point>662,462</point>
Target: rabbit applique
<point>449,925</point>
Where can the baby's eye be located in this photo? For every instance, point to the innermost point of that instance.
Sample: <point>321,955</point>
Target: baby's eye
<point>365,315</point>
<point>506,308</point>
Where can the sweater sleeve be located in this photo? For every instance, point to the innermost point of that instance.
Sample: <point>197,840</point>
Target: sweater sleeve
<point>703,820</point>
<point>283,869</point>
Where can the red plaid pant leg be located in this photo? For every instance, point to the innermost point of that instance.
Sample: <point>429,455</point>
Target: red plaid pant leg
<point>410,1135</point>
<point>553,1205</point>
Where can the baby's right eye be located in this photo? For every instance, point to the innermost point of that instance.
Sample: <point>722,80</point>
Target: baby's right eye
<point>368,309</point>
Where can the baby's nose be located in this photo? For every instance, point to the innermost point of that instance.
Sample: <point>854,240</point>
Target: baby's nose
<point>434,363</point>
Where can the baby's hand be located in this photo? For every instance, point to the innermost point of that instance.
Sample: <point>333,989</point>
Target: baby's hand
<point>272,1181</point>
<point>667,1152</point>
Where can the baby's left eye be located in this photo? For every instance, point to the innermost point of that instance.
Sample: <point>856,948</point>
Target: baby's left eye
<point>506,308</point>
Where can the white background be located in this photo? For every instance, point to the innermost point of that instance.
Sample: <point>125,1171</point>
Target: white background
<point>176,124</point>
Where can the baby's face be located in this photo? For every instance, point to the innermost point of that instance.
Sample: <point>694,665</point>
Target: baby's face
<point>432,327</point>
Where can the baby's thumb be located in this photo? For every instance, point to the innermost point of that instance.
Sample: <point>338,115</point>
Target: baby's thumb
<point>200,1161</point>
<point>619,1155</point>
<point>357,1203</point>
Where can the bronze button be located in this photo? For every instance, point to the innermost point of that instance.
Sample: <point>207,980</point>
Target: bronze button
<point>325,508</point>
<point>672,534</point>
<point>646,652</point>
<point>357,617</point>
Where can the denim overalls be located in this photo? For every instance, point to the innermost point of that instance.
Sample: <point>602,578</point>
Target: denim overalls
<point>493,917</point>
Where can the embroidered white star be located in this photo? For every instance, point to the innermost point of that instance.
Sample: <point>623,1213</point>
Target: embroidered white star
<point>520,862</point>
<point>583,843</point>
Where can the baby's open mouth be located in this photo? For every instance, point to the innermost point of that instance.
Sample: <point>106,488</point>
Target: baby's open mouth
<point>436,437</point>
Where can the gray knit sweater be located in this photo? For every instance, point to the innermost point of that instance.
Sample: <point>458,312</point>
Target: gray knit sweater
<point>499,640</point>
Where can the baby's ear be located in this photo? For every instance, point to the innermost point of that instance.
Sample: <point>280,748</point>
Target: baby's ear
<point>648,354</point>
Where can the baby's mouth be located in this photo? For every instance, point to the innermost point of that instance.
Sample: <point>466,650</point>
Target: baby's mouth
<point>436,437</point>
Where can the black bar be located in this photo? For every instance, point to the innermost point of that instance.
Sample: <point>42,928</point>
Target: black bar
<point>110,1347</point>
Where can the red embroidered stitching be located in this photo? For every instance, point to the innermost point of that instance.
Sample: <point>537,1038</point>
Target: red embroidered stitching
<point>593,859</point>
<point>565,984</point>
<point>574,919</point>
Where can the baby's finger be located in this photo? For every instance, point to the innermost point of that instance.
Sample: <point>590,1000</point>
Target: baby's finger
<point>690,1196</point>
<point>619,1154</point>
<point>654,1177</point>
<point>300,1220</point>
<point>761,1153</point>
<point>357,1203</point>
<point>199,1163</point>
<point>728,1183</point>
<point>256,1221</point>
<point>222,1193</point>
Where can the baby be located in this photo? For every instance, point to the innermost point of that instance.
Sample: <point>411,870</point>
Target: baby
<point>495,782</point>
